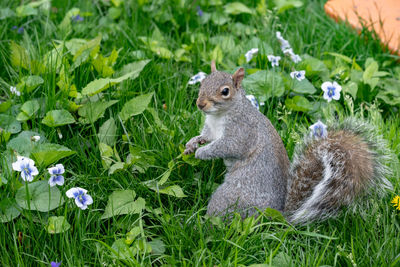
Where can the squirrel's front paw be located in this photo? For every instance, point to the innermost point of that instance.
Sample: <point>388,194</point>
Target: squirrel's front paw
<point>201,153</point>
<point>191,146</point>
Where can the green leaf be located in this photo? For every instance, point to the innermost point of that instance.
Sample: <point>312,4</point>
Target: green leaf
<point>298,103</point>
<point>8,210</point>
<point>135,106</point>
<point>108,132</point>
<point>173,190</point>
<point>390,93</point>
<point>264,84</point>
<point>6,13</point>
<point>274,215</point>
<point>4,106</point>
<point>26,10</point>
<point>92,111</point>
<point>29,83</point>
<point>47,153</point>
<point>116,167</point>
<point>313,66</point>
<point>100,85</point>
<point>28,109</point>
<point>9,124</point>
<point>41,197</point>
<point>19,56</point>
<point>219,18</point>
<point>55,118</point>
<point>351,88</point>
<point>89,49</point>
<point>237,8</point>
<point>123,202</point>
<point>369,73</point>
<point>57,225</point>
<point>157,246</point>
<point>106,152</point>
<point>283,5</point>
<point>342,57</point>
<point>23,143</point>
<point>303,87</point>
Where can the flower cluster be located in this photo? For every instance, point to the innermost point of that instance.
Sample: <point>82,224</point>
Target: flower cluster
<point>26,167</point>
<point>287,49</point>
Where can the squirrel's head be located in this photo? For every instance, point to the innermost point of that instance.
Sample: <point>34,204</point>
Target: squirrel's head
<point>219,90</point>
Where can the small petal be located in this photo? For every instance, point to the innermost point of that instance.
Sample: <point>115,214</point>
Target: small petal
<point>55,264</point>
<point>35,138</point>
<point>71,193</point>
<point>274,60</point>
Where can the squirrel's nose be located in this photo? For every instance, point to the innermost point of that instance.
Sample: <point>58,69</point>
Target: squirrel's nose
<point>201,104</point>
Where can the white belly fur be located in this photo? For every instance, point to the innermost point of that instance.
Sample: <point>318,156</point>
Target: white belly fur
<point>216,125</point>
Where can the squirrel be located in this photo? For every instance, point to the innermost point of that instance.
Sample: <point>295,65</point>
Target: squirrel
<point>326,173</point>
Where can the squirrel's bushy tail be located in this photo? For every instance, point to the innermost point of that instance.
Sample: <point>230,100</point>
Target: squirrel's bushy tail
<point>330,172</point>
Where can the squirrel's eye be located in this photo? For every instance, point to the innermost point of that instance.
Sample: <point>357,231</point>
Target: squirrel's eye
<point>225,91</point>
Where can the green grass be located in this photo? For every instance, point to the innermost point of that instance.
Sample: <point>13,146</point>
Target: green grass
<point>369,237</point>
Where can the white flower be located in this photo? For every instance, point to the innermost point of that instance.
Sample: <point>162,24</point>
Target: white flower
<point>295,58</point>
<point>299,75</point>
<point>56,177</point>
<point>284,43</point>
<point>274,60</point>
<point>253,101</point>
<point>331,90</point>
<point>35,138</point>
<point>289,52</point>
<point>249,54</point>
<point>82,200</point>
<point>27,168</point>
<point>318,130</point>
<point>14,91</point>
<point>197,78</point>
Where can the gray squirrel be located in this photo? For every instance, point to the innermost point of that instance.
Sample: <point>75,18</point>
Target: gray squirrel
<point>326,173</point>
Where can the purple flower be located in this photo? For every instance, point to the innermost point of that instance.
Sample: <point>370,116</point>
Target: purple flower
<point>199,11</point>
<point>27,168</point>
<point>82,200</point>
<point>56,177</point>
<point>331,90</point>
<point>14,28</point>
<point>55,264</point>
<point>20,30</point>
<point>77,18</point>
<point>319,130</point>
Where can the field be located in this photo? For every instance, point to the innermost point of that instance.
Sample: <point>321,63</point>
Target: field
<point>101,87</point>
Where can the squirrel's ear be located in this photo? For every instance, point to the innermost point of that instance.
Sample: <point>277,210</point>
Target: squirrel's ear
<point>237,77</point>
<point>213,68</point>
